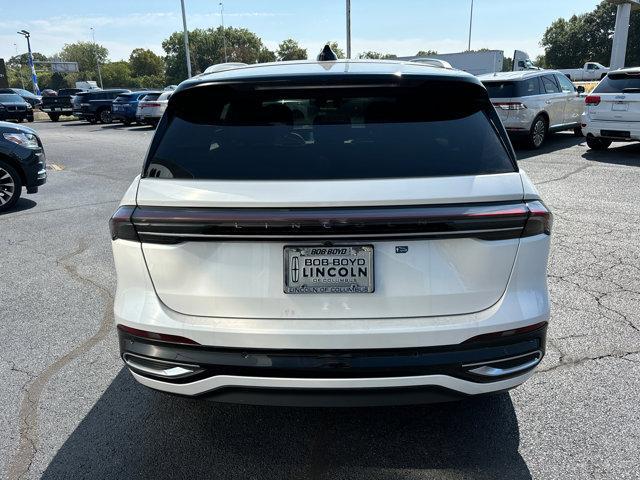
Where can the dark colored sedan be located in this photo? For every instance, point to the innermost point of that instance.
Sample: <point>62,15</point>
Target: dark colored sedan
<point>13,107</point>
<point>22,163</point>
<point>27,96</point>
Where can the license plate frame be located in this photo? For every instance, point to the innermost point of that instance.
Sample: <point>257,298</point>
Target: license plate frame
<point>352,258</point>
<point>620,107</point>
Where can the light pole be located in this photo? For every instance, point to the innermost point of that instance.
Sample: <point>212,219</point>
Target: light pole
<point>34,78</point>
<point>470,26</point>
<point>186,40</point>
<point>348,28</point>
<point>95,51</point>
<point>224,35</point>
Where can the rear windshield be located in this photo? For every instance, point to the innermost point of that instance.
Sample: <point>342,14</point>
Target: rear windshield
<point>150,97</point>
<point>619,83</point>
<point>511,89</point>
<point>247,133</point>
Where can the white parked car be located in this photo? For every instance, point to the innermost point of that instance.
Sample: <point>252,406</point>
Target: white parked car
<point>532,103</point>
<point>613,110</point>
<point>588,73</point>
<point>151,107</point>
<point>331,235</point>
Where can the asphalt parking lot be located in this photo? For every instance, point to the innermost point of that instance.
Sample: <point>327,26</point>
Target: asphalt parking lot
<point>70,410</point>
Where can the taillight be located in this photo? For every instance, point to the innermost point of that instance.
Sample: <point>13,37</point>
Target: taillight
<point>121,226</point>
<point>540,220</point>
<point>592,100</point>
<point>151,105</point>
<point>510,105</point>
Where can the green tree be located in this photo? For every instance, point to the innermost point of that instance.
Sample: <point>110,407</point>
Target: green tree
<point>507,64</point>
<point>426,53</point>
<point>290,50</point>
<point>266,55</point>
<point>116,74</point>
<point>207,48</point>
<point>588,37</point>
<point>85,53</point>
<point>377,55</point>
<point>144,62</point>
<point>18,73</point>
<point>540,61</point>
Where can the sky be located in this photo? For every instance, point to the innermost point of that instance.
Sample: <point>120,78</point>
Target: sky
<point>402,27</point>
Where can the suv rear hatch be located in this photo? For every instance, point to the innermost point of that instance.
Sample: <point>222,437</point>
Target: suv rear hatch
<point>616,98</point>
<point>409,178</point>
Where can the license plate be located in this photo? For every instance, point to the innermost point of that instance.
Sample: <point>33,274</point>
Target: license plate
<point>336,269</point>
<point>620,107</point>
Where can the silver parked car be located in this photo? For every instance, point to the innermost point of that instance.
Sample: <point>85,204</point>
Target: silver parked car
<point>534,103</point>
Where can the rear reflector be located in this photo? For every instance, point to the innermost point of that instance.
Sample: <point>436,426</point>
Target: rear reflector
<point>592,100</point>
<point>163,337</point>
<point>506,333</point>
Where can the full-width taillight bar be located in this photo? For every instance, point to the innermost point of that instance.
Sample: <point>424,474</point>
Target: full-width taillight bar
<point>487,221</point>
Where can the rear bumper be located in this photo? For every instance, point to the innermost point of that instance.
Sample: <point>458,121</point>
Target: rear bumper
<point>4,115</point>
<point>335,377</point>
<point>131,116</point>
<point>601,128</point>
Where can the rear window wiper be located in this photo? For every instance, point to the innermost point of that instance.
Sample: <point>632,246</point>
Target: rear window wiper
<point>631,90</point>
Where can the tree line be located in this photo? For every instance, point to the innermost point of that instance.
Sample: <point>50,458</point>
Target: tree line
<point>146,69</point>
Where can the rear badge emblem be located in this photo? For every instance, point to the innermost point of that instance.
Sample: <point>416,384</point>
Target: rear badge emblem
<point>402,249</point>
<point>295,269</point>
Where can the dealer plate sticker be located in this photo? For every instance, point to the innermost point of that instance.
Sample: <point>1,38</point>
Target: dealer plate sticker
<point>323,269</point>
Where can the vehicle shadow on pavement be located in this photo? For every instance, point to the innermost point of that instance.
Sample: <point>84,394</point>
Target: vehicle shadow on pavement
<point>626,154</point>
<point>132,432</point>
<point>23,204</point>
<point>554,142</point>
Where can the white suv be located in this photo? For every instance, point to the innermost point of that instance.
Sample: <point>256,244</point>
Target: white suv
<point>613,110</point>
<point>331,233</point>
<point>534,103</point>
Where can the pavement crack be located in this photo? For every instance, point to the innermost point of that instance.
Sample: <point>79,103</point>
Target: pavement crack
<point>562,363</point>
<point>565,176</point>
<point>22,460</point>
<point>70,207</point>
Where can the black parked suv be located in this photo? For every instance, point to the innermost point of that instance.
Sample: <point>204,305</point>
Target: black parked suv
<point>95,105</point>
<point>60,104</point>
<point>22,163</point>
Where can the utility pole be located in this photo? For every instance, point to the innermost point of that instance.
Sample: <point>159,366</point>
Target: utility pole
<point>470,27</point>
<point>224,34</point>
<point>186,40</point>
<point>348,28</point>
<point>95,52</point>
<point>34,78</point>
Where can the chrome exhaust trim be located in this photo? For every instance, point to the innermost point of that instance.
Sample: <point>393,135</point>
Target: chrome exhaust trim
<point>486,369</point>
<point>160,368</point>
